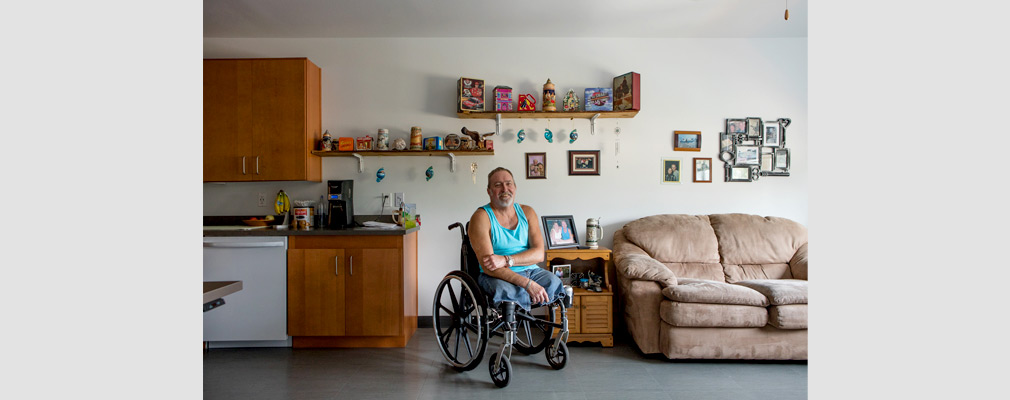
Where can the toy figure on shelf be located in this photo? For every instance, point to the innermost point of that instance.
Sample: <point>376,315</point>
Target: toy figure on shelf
<point>327,144</point>
<point>571,101</point>
<point>521,135</point>
<point>549,135</point>
<point>572,137</point>
<point>477,138</point>
<point>429,173</point>
<point>381,173</point>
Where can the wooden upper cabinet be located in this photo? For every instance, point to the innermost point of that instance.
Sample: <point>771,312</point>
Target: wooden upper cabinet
<point>261,119</point>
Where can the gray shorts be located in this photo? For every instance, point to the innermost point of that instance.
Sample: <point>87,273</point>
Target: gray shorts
<point>504,291</point>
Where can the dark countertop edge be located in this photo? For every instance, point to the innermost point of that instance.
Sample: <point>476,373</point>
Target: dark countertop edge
<point>315,232</point>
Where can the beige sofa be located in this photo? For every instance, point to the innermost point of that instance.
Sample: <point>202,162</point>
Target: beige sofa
<point>722,286</point>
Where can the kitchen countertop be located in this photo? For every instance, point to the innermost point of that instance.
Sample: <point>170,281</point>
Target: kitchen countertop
<point>270,231</point>
<point>235,221</point>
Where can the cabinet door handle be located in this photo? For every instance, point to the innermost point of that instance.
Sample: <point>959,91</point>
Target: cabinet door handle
<point>336,265</point>
<point>352,265</point>
<point>243,165</point>
<point>257,165</point>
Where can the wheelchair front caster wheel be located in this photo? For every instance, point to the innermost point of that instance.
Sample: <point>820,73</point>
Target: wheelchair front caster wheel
<point>504,374</point>
<point>558,361</point>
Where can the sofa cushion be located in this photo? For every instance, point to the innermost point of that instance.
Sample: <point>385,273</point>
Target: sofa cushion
<point>640,266</point>
<point>712,292</point>
<point>751,239</point>
<point>735,273</point>
<point>675,238</point>
<point>792,316</point>
<point>712,315</point>
<point>779,291</point>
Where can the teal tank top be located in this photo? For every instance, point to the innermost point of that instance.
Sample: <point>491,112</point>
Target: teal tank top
<point>507,242</point>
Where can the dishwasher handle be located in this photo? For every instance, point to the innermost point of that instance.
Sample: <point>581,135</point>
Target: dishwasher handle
<point>244,245</point>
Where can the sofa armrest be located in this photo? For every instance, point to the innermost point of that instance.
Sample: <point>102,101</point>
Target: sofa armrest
<point>798,264</point>
<point>637,266</point>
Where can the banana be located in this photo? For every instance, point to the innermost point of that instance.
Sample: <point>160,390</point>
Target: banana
<point>279,203</point>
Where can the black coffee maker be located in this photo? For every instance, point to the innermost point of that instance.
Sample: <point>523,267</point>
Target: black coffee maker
<point>340,205</point>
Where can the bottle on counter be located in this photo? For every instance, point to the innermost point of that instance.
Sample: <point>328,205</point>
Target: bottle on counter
<point>321,213</point>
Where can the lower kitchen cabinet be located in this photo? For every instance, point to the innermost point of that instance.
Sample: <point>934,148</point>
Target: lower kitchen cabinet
<point>352,291</point>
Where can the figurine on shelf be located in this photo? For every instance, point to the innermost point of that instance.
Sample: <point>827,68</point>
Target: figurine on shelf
<point>521,135</point>
<point>549,104</point>
<point>381,173</point>
<point>572,137</point>
<point>549,135</point>
<point>483,143</point>
<point>429,173</point>
<point>327,143</point>
<point>571,101</point>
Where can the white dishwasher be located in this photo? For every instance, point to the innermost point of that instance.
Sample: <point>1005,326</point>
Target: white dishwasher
<point>255,316</point>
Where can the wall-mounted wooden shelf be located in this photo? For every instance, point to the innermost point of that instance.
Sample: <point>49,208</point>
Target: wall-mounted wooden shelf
<point>545,114</point>
<point>392,153</point>
<point>590,115</point>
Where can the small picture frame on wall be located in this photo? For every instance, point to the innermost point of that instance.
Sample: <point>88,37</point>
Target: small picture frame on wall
<point>754,128</point>
<point>559,231</point>
<point>738,174</point>
<point>536,165</point>
<point>703,170</point>
<point>747,155</point>
<point>736,126</point>
<point>772,134</point>
<point>686,141</point>
<point>583,162</point>
<point>671,170</point>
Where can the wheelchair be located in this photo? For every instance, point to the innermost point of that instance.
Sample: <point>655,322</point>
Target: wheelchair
<point>465,321</point>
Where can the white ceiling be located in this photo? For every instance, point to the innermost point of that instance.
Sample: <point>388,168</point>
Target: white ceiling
<point>504,18</point>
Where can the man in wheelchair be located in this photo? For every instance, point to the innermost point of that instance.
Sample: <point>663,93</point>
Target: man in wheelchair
<point>503,234</point>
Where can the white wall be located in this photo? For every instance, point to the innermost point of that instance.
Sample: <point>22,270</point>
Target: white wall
<point>688,84</point>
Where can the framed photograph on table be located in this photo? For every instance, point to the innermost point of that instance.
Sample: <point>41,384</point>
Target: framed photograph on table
<point>564,272</point>
<point>583,162</point>
<point>703,170</point>
<point>536,165</point>
<point>686,141</point>
<point>559,231</point>
<point>671,170</point>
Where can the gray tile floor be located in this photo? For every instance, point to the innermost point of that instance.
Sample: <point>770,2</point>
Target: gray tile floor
<point>418,371</point>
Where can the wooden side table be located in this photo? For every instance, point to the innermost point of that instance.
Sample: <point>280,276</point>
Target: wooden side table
<point>591,317</point>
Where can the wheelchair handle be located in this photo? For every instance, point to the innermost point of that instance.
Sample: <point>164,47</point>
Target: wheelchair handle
<point>462,230</point>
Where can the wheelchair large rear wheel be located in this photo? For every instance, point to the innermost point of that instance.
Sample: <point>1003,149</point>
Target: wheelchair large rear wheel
<point>459,317</point>
<point>533,336</point>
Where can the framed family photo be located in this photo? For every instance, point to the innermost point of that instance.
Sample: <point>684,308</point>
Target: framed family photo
<point>736,126</point>
<point>671,170</point>
<point>559,231</point>
<point>772,134</point>
<point>583,162</point>
<point>686,141</point>
<point>703,170</point>
<point>536,165</point>
<point>564,272</point>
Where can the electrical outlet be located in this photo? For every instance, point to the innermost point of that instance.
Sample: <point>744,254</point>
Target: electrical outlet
<point>262,202</point>
<point>387,200</point>
<point>398,199</point>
